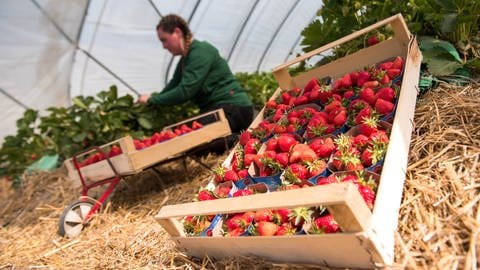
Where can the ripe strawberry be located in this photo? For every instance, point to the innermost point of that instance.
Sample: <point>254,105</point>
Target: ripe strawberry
<point>310,85</point>
<point>368,194</point>
<point>352,163</point>
<point>386,93</point>
<point>368,126</point>
<point>265,228</point>
<point>248,159</point>
<point>383,107</point>
<point>242,173</point>
<point>242,192</point>
<point>252,146</point>
<point>340,118</point>
<point>218,173</point>
<point>363,76</point>
<point>263,215</point>
<point>285,96</point>
<point>348,94</point>
<point>298,171</point>
<point>363,114</point>
<point>235,232</point>
<point>286,229</point>
<point>114,151</point>
<point>367,94</point>
<point>185,128</point>
<point>316,167</point>
<point>323,147</point>
<point>316,126</point>
<point>281,215</point>
<point>244,137</point>
<point>324,94</point>
<point>282,159</point>
<point>393,73</point>
<point>302,152</point>
<point>236,221</point>
<point>196,125</point>
<point>314,94</point>
<point>230,175</point>
<point>249,216</point>
<point>372,40</point>
<point>360,141</point>
<point>346,81</point>
<point>271,104</point>
<point>333,105</point>
<point>384,80</point>
<point>205,195</point>
<point>354,77</point>
<point>327,180</point>
<point>285,142</point>
<point>398,62</point>
<point>386,65</point>
<point>366,157</point>
<point>379,136</point>
<point>371,84</point>
<point>325,224</point>
<point>300,100</point>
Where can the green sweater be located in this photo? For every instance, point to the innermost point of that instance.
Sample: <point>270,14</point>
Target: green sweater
<point>204,78</point>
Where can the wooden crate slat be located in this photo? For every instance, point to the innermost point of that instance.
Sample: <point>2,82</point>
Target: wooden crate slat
<point>339,250</point>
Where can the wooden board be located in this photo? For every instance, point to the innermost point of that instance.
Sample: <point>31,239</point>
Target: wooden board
<point>364,246</point>
<point>132,161</point>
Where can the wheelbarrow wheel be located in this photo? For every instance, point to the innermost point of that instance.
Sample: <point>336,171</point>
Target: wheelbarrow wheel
<point>73,219</point>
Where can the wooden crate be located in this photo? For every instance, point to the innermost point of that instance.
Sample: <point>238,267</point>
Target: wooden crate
<point>132,161</point>
<point>367,240</point>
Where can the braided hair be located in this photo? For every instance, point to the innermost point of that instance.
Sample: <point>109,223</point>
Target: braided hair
<point>171,21</point>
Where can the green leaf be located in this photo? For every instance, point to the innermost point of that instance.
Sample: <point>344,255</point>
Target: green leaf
<point>79,103</point>
<point>440,63</point>
<point>79,137</point>
<point>437,47</point>
<point>145,123</point>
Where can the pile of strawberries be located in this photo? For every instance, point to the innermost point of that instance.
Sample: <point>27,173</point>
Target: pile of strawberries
<point>140,144</point>
<point>324,133</point>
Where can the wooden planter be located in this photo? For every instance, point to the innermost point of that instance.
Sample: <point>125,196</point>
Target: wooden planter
<point>367,237</point>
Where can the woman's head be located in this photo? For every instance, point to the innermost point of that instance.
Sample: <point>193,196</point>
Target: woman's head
<point>174,33</point>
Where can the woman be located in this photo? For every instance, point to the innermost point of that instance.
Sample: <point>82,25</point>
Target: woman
<point>201,76</point>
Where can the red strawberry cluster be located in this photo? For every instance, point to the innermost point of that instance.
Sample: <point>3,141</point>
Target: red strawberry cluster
<point>278,222</point>
<point>113,151</point>
<point>165,135</point>
<point>361,148</point>
<point>321,134</point>
<point>365,181</point>
<point>139,144</point>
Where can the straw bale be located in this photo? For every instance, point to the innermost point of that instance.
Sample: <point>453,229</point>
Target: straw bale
<point>438,223</point>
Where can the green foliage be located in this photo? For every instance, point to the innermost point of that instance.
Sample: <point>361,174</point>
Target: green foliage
<point>87,122</point>
<point>259,86</point>
<point>441,57</point>
<point>454,21</point>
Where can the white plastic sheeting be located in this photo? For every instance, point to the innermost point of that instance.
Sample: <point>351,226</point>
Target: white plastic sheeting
<point>42,65</point>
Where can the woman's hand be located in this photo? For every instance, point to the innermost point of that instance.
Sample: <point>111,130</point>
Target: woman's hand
<point>143,98</point>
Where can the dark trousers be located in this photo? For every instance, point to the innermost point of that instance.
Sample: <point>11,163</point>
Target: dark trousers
<point>239,118</point>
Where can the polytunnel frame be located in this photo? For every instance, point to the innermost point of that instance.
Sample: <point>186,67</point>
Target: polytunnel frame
<point>103,66</point>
